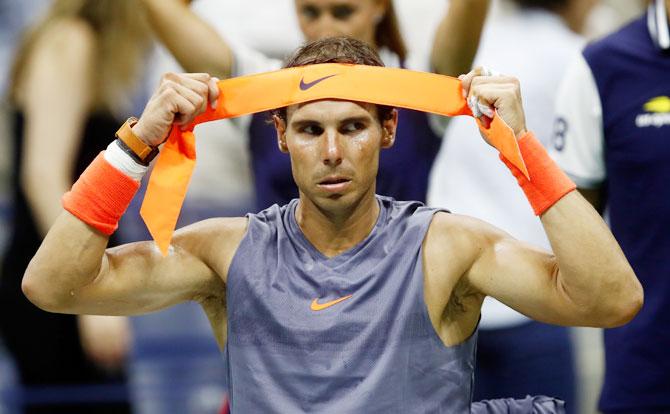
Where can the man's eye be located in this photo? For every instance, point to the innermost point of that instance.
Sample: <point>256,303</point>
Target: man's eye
<point>353,127</point>
<point>342,12</point>
<point>310,12</point>
<point>313,130</point>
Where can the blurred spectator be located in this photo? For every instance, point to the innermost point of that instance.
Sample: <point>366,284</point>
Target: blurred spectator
<point>70,79</point>
<point>15,15</point>
<point>404,168</point>
<point>515,356</point>
<point>612,135</point>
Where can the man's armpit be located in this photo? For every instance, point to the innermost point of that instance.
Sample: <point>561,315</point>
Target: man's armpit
<point>464,298</point>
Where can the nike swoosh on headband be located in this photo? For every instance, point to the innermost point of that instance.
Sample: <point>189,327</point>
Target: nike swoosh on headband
<point>245,95</point>
<point>304,86</point>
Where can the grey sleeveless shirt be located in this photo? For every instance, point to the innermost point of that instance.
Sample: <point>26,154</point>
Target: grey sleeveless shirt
<point>348,334</point>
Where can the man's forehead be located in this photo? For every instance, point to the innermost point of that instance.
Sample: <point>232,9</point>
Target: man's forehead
<point>328,108</point>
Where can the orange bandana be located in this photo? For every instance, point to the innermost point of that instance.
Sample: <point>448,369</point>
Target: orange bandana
<point>245,95</point>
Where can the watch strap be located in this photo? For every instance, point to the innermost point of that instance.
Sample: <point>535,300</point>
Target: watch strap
<point>132,145</point>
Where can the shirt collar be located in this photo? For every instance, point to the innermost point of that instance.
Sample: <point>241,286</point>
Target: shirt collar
<point>657,22</point>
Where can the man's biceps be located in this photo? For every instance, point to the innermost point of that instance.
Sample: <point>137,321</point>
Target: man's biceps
<point>522,263</point>
<point>490,272</point>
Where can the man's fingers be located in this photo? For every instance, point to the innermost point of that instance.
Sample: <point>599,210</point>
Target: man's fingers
<point>479,107</point>
<point>487,91</point>
<point>205,85</point>
<point>502,94</point>
<point>200,83</point>
<point>198,101</point>
<point>213,91</point>
<point>493,93</point>
<point>477,75</point>
<point>493,80</point>
<point>198,89</point>
<point>183,109</point>
<point>466,79</point>
<point>200,77</point>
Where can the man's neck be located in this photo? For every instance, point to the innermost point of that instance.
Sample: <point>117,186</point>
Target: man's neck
<point>667,8</point>
<point>335,232</point>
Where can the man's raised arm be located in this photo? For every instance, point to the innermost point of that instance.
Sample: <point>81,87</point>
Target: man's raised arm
<point>72,272</point>
<point>587,281</point>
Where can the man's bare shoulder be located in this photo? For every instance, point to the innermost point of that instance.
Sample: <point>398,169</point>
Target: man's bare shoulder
<point>223,228</point>
<point>447,229</point>
<point>455,242</point>
<point>214,240</point>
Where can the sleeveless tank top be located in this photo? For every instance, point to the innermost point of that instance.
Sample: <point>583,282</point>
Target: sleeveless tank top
<point>348,334</point>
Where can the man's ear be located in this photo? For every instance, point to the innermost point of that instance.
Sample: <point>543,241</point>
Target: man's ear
<point>280,126</point>
<point>389,127</point>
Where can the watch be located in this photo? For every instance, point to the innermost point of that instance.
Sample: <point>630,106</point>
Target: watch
<point>132,145</point>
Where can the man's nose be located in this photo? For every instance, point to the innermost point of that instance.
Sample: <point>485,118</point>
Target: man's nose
<point>332,149</point>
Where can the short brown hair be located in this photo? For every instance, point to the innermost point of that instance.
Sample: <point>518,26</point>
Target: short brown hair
<point>339,49</point>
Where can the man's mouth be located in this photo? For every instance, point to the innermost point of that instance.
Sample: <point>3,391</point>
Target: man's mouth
<point>334,183</point>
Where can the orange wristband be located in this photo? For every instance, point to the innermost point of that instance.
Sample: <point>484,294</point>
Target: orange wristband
<point>101,195</point>
<point>548,183</point>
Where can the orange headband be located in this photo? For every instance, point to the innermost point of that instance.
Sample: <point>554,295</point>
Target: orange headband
<point>245,95</point>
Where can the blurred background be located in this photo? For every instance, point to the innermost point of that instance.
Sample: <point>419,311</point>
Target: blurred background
<point>169,361</point>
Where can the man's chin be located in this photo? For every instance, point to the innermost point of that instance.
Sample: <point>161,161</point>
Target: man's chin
<point>333,200</point>
<point>341,201</point>
<point>338,200</point>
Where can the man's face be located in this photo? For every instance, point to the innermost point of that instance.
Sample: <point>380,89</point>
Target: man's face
<point>327,18</point>
<point>334,148</point>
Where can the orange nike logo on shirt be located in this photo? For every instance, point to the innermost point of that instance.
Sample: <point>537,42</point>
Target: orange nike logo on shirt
<point>316,306</point>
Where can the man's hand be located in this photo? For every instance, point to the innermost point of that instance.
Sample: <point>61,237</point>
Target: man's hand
<point>502,93</point>
<point>178,99</point>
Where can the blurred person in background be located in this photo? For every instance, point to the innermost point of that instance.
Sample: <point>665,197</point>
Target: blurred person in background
<point>69,86</point>
<point>612,136</point>
<point>404,169</point>
<point>516,356</point>
<point>15,15</point>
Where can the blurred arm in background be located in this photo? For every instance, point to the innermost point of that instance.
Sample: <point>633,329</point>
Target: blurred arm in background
<point>62,64</point>
<point>457,36</point>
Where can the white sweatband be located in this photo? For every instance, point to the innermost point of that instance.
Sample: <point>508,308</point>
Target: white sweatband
<point>123,162</point>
